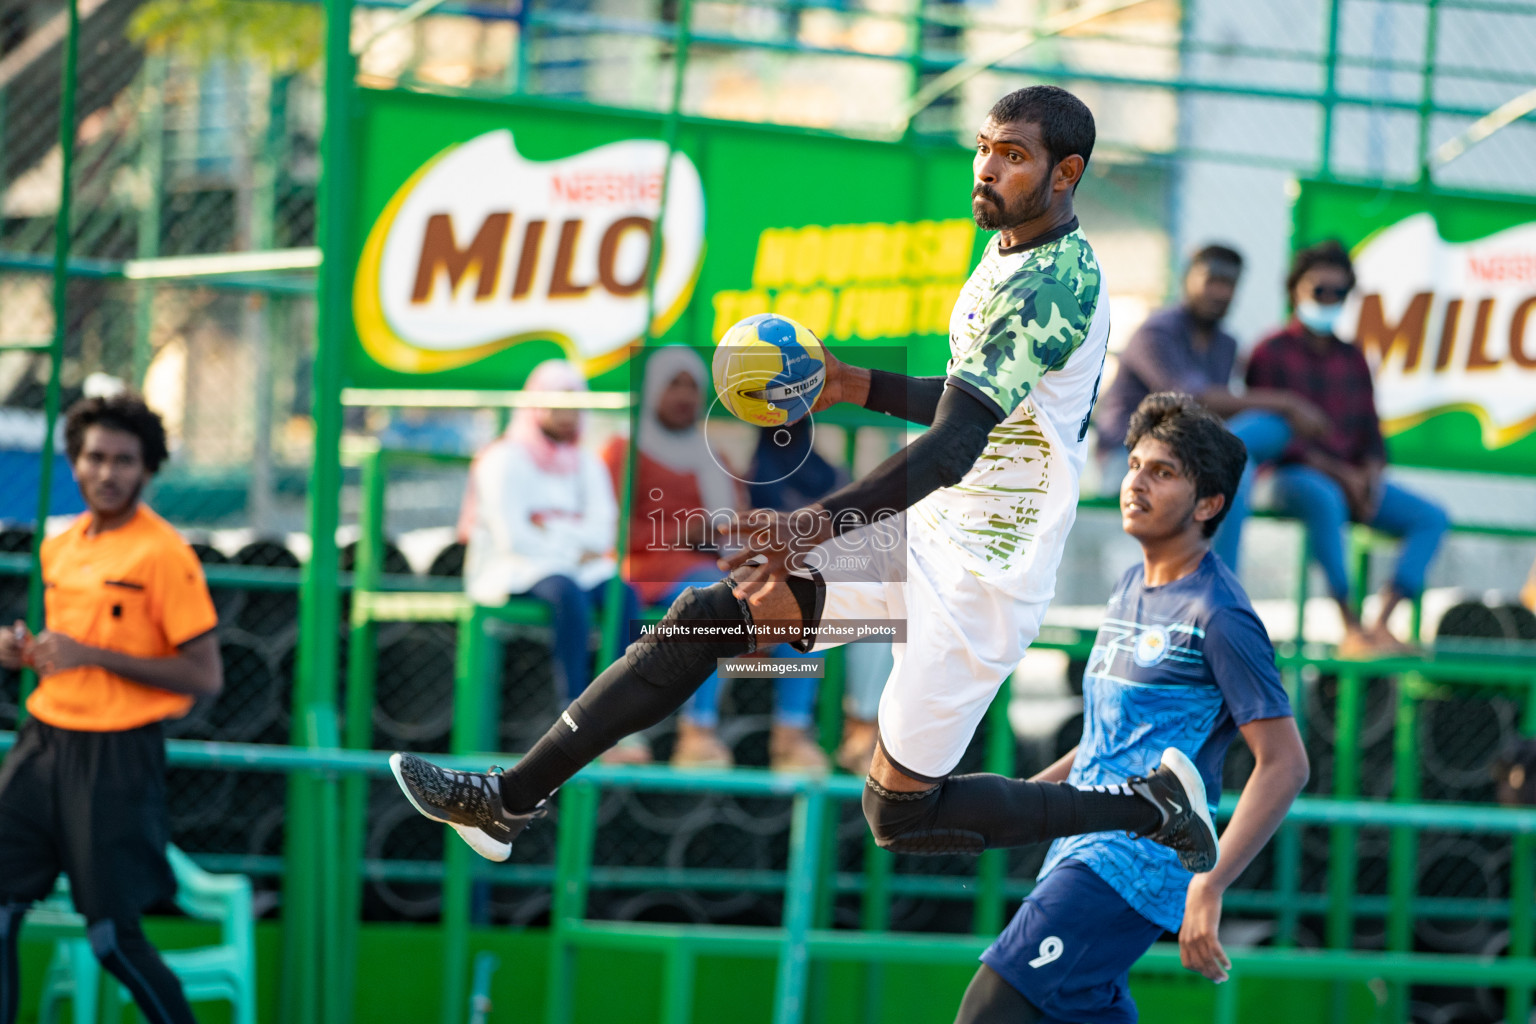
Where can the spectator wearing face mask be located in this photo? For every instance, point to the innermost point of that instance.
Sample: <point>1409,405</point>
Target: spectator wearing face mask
<point>1184,348</point>
<point>1339,477</point>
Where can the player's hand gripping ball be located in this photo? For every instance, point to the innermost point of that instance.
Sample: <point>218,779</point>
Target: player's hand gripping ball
<point>768,370</point>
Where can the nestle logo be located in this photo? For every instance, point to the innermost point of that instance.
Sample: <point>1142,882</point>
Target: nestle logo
<point>1502,267</point>
<point>607,187</point>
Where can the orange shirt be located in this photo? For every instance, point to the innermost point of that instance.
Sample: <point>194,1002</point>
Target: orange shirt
<point>137,590</point>
<point>661,494</point>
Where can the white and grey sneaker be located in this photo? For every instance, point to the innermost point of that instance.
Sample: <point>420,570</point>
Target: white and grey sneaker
<point>1177,791</point>
<point>468,801</point>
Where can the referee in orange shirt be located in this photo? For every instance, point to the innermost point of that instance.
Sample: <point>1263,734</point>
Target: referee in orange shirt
<point>129,643</point>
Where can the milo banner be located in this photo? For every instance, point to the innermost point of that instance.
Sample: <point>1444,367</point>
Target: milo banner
<point>491,235</point>
<point>1445,311</point>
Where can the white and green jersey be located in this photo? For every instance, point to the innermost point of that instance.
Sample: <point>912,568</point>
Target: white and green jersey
<point>1028,337</point>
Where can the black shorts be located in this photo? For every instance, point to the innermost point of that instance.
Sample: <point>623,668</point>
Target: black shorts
<point>92,805</point>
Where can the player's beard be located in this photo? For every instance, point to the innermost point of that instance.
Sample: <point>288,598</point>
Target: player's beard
<point>999,216</point>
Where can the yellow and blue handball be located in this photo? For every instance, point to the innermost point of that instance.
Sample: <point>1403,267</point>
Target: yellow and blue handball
<point>768,370</point>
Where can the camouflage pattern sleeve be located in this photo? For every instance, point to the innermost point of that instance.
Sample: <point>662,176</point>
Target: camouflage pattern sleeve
<point>1033,325</point>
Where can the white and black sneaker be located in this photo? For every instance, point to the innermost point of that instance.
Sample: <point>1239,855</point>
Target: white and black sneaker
<point>1177,791</point>
<point>468,801</point>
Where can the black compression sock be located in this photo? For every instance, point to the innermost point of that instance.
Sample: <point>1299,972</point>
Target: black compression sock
<point>969,813</point>
<point>1115,809</point>
<point>652,679</point>
<point>539,773</point>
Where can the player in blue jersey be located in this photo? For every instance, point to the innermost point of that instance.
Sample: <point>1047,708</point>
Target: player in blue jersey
<point>1181,661</point>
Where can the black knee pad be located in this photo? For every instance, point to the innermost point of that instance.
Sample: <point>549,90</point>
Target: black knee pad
<point>703,625</point>
<point>659,671</point>
<point>903,822</point>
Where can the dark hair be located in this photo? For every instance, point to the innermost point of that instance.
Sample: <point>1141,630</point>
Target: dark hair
<point>1329,253</point>
<point>1212,455</point>
<point>126,412</point>
<point>1216,253</point>
<point>1066,123</point>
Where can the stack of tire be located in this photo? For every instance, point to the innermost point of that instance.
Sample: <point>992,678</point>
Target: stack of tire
<point>1462,729</point>
<point>240,814</point>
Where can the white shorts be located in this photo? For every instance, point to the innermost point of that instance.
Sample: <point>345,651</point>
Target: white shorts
<point>963,639</point>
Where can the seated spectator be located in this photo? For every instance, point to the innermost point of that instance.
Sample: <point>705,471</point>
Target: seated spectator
<point>682,491</point>
<point>1183,348</point>
<point>1338,477</point>
<point>540,518</point>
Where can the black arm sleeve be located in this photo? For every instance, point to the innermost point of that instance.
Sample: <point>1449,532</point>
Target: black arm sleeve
<point>914,399</point>
<point>940,458</point>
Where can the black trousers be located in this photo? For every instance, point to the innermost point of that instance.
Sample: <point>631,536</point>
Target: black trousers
<point>90,805</point>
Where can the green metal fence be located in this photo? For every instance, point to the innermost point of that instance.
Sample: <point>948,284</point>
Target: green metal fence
<point>115,165</point>
<point>1373,883</point>
<point>180,151</point>
<point>801,938</point>
<point>1305,881</point>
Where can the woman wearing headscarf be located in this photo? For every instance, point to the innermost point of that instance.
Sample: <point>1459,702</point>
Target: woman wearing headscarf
<point>541,519</point>
<point>682,490</point>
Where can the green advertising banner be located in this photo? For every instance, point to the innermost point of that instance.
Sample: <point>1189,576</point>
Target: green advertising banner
<point>1444,311</point>
<point>491,235</point>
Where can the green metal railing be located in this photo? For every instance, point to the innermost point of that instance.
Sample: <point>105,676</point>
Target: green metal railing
<point>476,708</point>
<point>800,941</point>
<point>378,598</point>
<point>1322,64</point>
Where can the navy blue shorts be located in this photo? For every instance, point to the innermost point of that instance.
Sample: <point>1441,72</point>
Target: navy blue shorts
<point>1070,948</point>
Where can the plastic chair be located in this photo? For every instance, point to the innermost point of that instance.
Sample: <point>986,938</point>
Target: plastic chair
<point>74,972</point>
<point>224,972</point>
